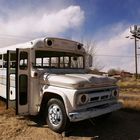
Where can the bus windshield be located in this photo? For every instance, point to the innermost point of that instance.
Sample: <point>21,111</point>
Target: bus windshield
<point>63,60</point>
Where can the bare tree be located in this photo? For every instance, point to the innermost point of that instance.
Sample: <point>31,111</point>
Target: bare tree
<point>90,48</point>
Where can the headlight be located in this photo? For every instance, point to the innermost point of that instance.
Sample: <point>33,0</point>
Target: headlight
<point>115,93</point>
<point>83,99</point>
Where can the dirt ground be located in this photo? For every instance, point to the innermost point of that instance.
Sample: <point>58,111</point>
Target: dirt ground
<point>121,125</point>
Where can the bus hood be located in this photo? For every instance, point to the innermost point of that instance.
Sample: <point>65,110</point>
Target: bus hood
<point>77,81</point>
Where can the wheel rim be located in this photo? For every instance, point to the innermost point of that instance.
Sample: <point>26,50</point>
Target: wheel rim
<point>55,115</point>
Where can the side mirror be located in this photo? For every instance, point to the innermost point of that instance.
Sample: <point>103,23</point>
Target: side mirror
<point>90,60</point>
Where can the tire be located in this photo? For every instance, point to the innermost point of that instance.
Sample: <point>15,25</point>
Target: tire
<point>56,116</point>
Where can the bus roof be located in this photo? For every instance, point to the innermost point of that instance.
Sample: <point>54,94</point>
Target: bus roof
<point>49,42</point>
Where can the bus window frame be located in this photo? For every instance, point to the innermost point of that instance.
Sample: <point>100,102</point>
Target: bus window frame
<point>69,55</point>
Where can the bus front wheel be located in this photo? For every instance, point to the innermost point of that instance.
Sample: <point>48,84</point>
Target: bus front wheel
<point>56,116</point>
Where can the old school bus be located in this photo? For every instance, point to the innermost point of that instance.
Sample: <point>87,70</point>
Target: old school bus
<point>48,76</point>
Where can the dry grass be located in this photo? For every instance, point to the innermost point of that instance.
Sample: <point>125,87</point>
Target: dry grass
<point>131,102</point>
<point>130,93</point>
<point>131,82</point>
<point>2,104</point>
<point>2,107</point>
<point>134,105</point>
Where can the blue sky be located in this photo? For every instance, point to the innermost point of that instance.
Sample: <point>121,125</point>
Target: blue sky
<point>104,22</point>
<point>102,13</point>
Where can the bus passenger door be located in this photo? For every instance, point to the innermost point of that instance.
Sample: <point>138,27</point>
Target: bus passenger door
<point>22,81</point>
<point>10,79</point>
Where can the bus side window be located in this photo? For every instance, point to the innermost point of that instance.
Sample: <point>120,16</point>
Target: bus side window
<point>23,60</point>
<point>4,64</point>
<point>1,61</point>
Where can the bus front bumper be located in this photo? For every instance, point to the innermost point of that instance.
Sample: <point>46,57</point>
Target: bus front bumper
<point>94,112</point>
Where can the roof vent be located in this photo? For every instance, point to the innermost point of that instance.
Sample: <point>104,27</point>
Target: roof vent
<point>79,46</point>
<point>49,42</point>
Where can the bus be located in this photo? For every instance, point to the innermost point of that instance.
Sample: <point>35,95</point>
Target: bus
<point>48,76</point>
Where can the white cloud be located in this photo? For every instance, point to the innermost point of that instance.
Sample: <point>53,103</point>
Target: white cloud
<point>47,23</point>
<point>114,50</point>
<point>71,17</point>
